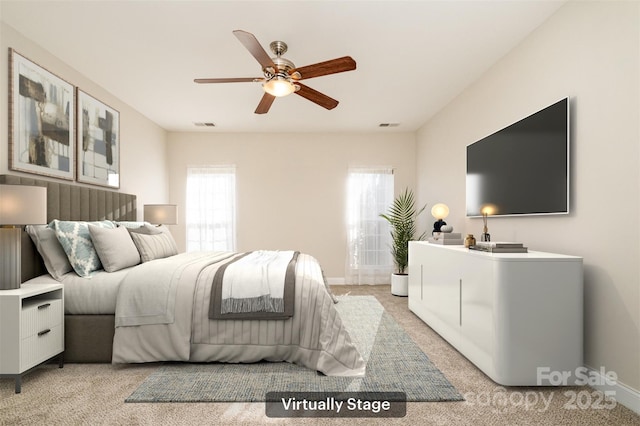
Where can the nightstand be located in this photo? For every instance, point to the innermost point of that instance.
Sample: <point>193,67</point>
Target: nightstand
<point>31,328</point>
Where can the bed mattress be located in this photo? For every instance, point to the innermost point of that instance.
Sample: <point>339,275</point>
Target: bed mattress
<point>88,296</point>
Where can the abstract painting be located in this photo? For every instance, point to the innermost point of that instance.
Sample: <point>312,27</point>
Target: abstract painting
<point>98,142</point>
<point>41,109</point>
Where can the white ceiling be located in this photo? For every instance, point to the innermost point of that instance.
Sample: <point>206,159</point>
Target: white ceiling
<point>412,57</point>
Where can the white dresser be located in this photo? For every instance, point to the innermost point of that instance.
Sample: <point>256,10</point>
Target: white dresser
<point>509,313</point>
<point>31,328</point>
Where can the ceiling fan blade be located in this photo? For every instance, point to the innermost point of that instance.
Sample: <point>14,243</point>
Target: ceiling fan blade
<point>333,66</point>
<point>228,80</point>
<point>253,46</point>
<point>265,104</point>
<point>316,97</point>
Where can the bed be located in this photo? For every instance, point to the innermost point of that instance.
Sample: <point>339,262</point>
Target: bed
<point>98,327</point>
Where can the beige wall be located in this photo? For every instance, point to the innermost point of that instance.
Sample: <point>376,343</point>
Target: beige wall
<point>143,161</point>
<point>590,52</point>
<point>290,187</point>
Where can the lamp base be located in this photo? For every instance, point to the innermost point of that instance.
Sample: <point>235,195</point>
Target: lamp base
<point>437,225</point>
<point>485,237</point>
<point>10,271</point>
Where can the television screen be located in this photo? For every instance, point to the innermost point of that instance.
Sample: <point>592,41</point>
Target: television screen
<point>522,169</point>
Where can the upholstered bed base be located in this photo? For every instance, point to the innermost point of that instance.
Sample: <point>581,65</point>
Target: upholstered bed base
<point>88,338</point>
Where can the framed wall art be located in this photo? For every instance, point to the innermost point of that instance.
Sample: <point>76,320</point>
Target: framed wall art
<point>98,142</point>
<point>41,120</point>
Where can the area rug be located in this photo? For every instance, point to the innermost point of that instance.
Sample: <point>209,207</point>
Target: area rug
<point>394,364</point>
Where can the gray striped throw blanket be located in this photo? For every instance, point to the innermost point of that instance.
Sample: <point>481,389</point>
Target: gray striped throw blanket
<point>255,285</point>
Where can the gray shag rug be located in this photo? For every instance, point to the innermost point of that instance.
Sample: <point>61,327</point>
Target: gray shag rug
<point>394,364</point>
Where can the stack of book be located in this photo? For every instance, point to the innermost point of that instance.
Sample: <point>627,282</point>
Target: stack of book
<point>499,247</point>
<point>446,238</point>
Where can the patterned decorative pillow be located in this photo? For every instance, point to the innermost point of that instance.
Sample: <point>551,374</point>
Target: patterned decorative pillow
<point>76,241</point>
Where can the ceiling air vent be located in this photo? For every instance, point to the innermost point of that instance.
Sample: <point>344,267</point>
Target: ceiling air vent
<point>388,124</point>
<point>209,124</point>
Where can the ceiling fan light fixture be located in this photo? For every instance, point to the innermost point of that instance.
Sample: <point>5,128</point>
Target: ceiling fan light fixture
<point>279,86</point>
<point>280,75</point>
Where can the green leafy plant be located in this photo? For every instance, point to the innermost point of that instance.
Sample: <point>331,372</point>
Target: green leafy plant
<point>402,217</point>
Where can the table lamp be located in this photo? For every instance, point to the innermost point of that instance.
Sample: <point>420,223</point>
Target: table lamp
<point>161,214</point>
<point>19,205</point>
<point>439,211</point>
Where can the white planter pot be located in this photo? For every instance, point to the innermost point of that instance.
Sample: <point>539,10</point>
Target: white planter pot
<point>400,284</point>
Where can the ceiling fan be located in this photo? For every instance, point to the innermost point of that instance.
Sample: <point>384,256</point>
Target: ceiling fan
<point>281,77</point>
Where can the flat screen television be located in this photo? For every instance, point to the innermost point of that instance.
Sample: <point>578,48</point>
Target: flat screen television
<point>522,169</point>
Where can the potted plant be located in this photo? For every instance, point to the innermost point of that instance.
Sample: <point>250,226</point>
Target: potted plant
<point>402,218</point>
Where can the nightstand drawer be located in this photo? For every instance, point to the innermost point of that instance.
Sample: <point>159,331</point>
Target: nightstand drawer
<point>41,346</point>
<point>39,315</point>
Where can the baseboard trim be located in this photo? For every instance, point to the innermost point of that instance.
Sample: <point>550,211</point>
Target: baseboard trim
<point>622,393</point>
<point>341,281</point>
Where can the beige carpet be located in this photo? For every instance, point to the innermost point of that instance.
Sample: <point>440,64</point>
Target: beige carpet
<point>85,394</point>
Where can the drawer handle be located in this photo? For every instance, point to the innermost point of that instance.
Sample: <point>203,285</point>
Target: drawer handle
<point>42,333</point>
<point>44,306</point>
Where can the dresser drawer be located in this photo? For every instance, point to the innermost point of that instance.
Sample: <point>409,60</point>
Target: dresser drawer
<point>41,346</point>
<point>39,315</point>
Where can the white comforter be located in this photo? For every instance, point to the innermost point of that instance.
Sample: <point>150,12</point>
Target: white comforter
<point>314,337</point>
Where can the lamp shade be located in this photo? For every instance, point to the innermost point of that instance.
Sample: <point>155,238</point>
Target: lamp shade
<point>488,210</point>
<point>23,205</point>
<point>440,211</point>
<point>278,86</point>
<point>161,214</point>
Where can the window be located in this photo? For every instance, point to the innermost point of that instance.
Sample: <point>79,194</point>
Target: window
<point>211,208</point>
<point>369,193</point>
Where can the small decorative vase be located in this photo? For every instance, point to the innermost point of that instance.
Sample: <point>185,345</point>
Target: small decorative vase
<point>469,241</point>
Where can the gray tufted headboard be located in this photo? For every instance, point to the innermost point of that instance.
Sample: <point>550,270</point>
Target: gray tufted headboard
<point>70,202</point>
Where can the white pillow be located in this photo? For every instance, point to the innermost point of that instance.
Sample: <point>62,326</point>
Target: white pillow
<point>115,247</point>
<point>131,224</point>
